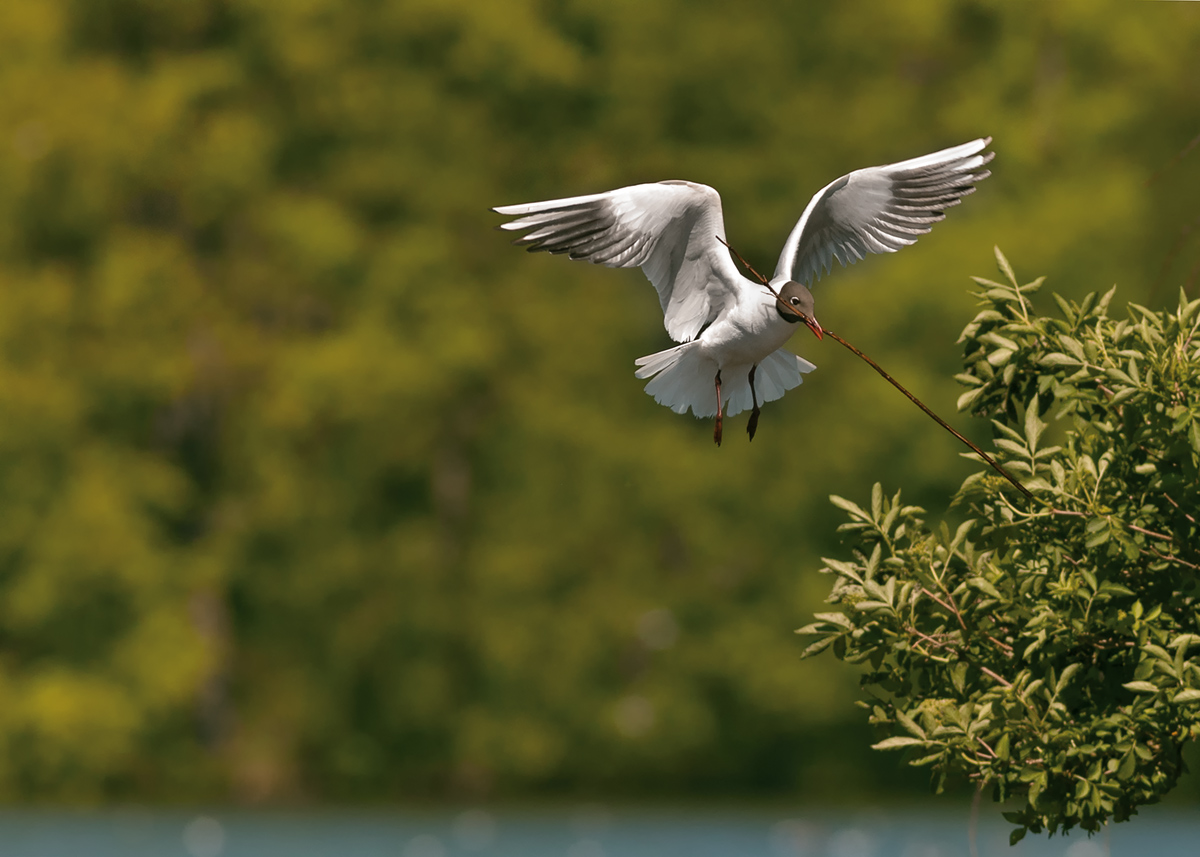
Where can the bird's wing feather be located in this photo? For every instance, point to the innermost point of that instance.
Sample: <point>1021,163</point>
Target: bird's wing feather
<point>668,229</point>
<point>879,209</point>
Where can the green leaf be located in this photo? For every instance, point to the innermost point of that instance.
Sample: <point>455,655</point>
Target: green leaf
<point>958,675</point>
<point>1033,424</point>
<point>1057,358</point>
<point>1102,306</point>
<point>835,618</point>
<point>965,400</point>
<point>848,506</point>
<point>896,742</point>
<point>842,569</point>
<point>1036,785</point>
<point>1128,765</point>
<point>1072,345</point>
<point>1189,695</point>
<point>1140,687</point>
<point>1000,356</point>
<point>1011,447</point>
<point>1066,675</point>
<point>1005,268</point>
<point>987,315</point>
<point>984,586</point>
<point>1000,294</point>
<point>819,646</point>
<point>909,724</point>
<point>1065,308</point>
<point>1002,748</point>
<point>994,338</point>
<point>876,591</point>
<point>1117,375</point>
<point>928,760</point>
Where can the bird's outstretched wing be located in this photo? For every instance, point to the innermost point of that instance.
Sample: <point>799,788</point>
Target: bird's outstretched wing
<point>668,229</point>
<point>879,209</point>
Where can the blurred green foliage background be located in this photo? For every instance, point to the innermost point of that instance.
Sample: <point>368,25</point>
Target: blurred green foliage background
<point>311,487</point>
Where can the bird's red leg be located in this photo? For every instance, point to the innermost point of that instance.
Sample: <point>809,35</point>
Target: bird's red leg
<point>717,429</point>
<point>752,426</point>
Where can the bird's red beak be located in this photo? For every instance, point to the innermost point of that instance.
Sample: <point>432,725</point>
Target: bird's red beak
<point>797,316</point>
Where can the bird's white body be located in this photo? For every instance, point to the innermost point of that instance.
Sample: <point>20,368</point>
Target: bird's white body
<point>750,333</point>
<point>675,232</point>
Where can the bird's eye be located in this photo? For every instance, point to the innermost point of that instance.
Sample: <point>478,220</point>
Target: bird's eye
<point>795,301</point>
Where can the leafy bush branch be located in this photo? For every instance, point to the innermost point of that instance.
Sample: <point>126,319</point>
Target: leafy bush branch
<point>1048,647</point>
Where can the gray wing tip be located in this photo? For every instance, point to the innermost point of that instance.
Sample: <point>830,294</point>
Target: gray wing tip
<point>983,159</point>
<point>978,144</point>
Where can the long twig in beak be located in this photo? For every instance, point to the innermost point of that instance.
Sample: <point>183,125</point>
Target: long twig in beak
<point>995,465</point>
<point>750,268</point>
<point>812,323</point>
<point>987,458</point>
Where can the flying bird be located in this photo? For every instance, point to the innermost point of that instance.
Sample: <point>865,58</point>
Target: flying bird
<point>732,329</point>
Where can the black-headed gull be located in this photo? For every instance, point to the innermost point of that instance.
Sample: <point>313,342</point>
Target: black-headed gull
<point>674,231</point>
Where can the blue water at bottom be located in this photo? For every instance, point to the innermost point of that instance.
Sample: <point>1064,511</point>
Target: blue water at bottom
<point>589,830</point>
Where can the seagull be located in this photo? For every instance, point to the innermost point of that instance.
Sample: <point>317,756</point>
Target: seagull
<point>729,326</point>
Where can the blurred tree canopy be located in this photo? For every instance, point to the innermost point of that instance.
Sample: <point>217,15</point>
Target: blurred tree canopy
<point>313,487</point>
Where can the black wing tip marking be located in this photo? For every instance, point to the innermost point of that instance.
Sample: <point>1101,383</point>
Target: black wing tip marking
<point>951,181</point>
<point>583,231</point>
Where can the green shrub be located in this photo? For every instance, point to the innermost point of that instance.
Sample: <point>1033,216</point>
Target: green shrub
<point>1049,647</point>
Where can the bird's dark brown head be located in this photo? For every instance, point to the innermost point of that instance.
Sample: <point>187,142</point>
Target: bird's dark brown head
<point>795,304</point>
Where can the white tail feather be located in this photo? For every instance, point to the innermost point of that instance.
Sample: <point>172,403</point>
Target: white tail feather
<point>683,378</point>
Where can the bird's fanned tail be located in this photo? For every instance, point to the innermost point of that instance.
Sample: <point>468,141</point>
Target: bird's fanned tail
<point>682,378</point>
